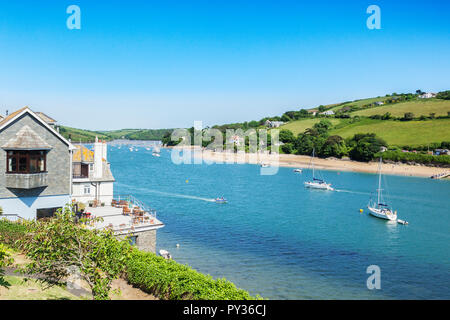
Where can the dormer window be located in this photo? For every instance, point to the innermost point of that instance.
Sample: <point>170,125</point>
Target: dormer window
<point>26,161</point>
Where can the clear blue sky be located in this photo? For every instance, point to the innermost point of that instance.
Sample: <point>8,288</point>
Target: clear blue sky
<point>159,64</point>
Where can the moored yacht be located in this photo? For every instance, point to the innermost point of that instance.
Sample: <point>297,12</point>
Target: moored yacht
<point>317,183</point>
<point>380,209</point>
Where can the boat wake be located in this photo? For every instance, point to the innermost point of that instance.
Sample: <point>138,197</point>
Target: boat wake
<point>169,194</point>
<point>354,192</point>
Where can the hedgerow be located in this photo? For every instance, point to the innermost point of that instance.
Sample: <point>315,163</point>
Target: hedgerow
<point>427,159</point>
<point>168,279</point>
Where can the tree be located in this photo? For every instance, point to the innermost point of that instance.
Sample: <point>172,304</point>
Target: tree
<point>444,95</point>
<point>303,113</point>
<point>321,108</point>
<point>58,244</point>
<point>334,146</point>
<point>365,146</point>
<point>286,136</point>
<point>408,116</point>
<point>419,92</point>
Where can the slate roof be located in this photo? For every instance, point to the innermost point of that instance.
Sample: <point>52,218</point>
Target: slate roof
<point>26,139</point>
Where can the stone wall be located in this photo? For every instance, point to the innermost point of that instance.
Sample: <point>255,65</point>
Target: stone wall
<point>146,241</point>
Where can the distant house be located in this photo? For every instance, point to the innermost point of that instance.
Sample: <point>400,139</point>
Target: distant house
<point>91,173</point>
<point>427,95</point>
<point>35,173</point>
<point>328,112</point>
<point>273,124</point>
<point>313,111</point>
<point>379,103</point>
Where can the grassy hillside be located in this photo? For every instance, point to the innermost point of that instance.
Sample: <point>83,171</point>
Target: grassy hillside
<point>359,103</point>
<point>418,107</point>
<point>77,135</point>
<point>399,133</point>
<point>299,126</point>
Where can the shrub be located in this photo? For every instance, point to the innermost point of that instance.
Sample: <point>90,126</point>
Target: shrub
<point>58,244</point>
<point>10,232</point>
<point>168,279</point>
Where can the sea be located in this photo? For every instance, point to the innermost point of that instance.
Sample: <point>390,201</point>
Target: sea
<point>279,240</point>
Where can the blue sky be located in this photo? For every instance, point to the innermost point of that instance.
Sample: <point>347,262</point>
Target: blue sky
<point>165,64</point>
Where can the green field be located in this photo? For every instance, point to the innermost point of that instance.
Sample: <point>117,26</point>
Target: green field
<point>77,135</point>
<point>300,126</point>
<point>359,103</point>
<point>400,133</point>
<point>418,107</point>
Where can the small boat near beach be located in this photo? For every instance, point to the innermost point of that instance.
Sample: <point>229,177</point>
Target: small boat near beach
<point>165,254</point>
<point>380,209</point>
<point>265,165</point>
<point>298,170</point>
<point>317,183</point>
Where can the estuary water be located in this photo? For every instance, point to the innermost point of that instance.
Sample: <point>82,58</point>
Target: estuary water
<point>279,240</point>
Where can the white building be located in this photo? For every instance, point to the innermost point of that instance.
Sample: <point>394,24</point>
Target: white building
<point>92,177</point>
<point>274,124</point>
<point>328,113</point>
<point>427,95</point>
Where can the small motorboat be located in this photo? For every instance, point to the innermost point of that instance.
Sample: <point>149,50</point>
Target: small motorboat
<point>156,154</point>
<point>298,170</point>
<point>220,200</point>
<point>165,254</point>
<point>265,165</point>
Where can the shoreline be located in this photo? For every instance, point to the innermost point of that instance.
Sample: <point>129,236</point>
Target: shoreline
<point>302,162</point>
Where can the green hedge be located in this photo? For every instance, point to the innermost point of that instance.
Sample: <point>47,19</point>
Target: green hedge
<point>394,155</point>
<point>10,232</point>
<point>168,279</point>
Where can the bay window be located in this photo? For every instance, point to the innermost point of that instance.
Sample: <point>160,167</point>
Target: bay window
<point>26,161</point>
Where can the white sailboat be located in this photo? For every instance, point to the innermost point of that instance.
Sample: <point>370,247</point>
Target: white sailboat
<point>380,209</point>
<point>317,183</point>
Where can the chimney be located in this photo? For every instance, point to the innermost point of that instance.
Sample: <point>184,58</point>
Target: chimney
<point>98,155</point>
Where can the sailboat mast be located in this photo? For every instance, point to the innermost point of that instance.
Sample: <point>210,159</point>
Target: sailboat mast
<point>312,162</point>
<point>379,181</point>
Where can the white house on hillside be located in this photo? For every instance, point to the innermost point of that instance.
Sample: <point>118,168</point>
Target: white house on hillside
<point>328,113</point>
<point>427,95</point>
<point>274,124</point>
<point>92,177</point>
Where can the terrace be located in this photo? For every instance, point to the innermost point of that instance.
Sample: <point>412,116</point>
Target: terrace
<point>125,215</point>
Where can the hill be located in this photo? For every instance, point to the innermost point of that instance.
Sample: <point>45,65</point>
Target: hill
<point>418,107</point>
<point>400,133</point>
<point>81,135</point>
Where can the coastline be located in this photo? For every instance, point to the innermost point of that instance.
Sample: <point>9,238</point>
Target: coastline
<point>301,161</point>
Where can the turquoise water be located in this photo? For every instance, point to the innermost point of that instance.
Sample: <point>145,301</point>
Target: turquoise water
<point>282,241</point>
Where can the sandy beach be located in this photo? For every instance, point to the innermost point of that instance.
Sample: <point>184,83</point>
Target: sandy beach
<point>298,161</point>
